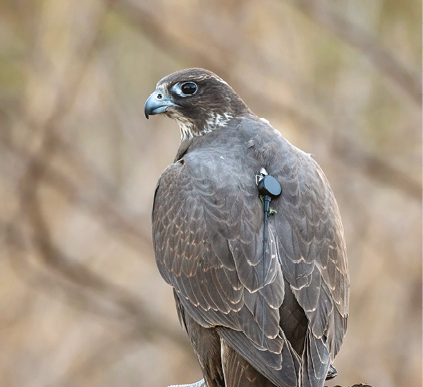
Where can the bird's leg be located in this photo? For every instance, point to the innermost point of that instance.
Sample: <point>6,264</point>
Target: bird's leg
<point>200,383</point>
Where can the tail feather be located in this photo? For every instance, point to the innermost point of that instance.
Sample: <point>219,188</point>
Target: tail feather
<point>315,362</point>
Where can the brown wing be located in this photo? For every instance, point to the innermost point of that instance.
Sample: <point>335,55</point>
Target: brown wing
<point>207,232</point>
<point>313,256</point>
<point>207,227</point>
<point>311,247</point>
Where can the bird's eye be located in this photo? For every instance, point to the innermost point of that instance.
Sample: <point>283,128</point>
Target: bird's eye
<point>185,89</point>
<point>189,88</point>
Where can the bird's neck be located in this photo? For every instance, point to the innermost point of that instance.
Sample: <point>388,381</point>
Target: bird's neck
<point>209,123</point>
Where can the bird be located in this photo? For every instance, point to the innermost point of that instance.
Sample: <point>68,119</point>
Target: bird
<point>278,321</point>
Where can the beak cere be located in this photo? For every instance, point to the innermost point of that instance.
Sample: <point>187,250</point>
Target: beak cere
<point>157,103</point>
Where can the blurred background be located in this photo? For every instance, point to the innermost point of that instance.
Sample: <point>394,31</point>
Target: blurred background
<point>81,300</point>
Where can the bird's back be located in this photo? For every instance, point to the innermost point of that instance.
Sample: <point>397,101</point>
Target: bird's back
<point>207,232</point>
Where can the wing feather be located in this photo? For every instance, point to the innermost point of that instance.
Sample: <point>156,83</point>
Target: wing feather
<point>207,234</point>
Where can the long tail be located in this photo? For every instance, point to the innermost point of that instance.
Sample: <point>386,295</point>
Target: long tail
<point>315,362</point>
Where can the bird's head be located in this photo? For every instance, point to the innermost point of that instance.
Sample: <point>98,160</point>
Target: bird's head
<point>197,99</point>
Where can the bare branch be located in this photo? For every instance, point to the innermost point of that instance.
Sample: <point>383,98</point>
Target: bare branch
<point>83,287</point>
<point>99,200</point>
<point>407,79</point>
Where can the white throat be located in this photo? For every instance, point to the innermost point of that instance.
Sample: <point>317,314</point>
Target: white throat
<point>187,129</point>
<point>213,122</point>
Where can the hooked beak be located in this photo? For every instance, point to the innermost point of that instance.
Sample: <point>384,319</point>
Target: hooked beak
<point>157,103</point>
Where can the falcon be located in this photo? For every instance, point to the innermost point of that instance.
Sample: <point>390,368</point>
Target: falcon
<point>278,321</point>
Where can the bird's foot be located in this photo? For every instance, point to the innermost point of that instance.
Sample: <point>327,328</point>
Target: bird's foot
<point>200,383</point>
<point>331,373</point>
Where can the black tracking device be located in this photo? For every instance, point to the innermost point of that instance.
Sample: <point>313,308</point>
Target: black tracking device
<point>269,188</point>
